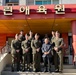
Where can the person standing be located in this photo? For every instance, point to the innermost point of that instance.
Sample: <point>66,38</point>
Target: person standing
<point>36,47</point>
<point>26,46</point>
<point>15,51</point>
<point>21,38</point>
<point>52,44</point>
<point>30,39</point>
<point>30,35</point>
<point>53,36</point>
<point>58,60</point>
<point>46,50</point>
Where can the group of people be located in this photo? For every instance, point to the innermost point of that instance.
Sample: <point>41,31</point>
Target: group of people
<point>28,50</point>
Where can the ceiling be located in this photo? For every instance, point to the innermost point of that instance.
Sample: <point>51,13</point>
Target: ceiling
<point>41,26</point>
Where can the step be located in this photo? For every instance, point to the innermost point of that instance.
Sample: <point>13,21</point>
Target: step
<point>32,73</point>
<point>68,70</point>
<point>8,67</point>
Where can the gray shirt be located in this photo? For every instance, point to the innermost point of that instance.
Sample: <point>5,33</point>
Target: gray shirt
<point>46,47</point>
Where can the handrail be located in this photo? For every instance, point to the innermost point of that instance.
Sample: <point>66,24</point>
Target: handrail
<point>5,49</point>
<point>2,48</point>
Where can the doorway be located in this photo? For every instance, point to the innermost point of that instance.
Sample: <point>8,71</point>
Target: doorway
<point>9,41</point>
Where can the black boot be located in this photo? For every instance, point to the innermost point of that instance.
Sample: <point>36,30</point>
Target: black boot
<point>49,68</point>
<point>23,70</point>
<point>45,69</point>
<point>57,70</point>
<point>12,68</point>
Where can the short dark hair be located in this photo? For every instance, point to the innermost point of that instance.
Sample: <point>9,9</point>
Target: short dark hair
<point>57,31</point>
<point>53,31</point>
<point>22,31</point>
<point>17,34</point>
<point>27,34</point>
<point>46,38</point>
<point>37,34</point>
<point>30,31</point>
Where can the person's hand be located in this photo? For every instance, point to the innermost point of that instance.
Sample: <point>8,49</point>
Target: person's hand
<point>38,49</point>
<point>26,50</point>
<point>45,53</point>
<point>17,51</point>
<point>55,48</point>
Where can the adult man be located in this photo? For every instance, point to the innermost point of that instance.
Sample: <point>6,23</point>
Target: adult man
<point>26,52</point>
<point>15,46</point>
<point>58,60</point>
<point>31,38</point>
<point>36,47</point>
<point>30,35</point>
<point>21,38</point>
<point>53,36</point>
<point>52,44</point>
<point>46,50</point>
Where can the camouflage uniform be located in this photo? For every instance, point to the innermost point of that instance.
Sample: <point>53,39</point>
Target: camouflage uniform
<point>22,38</point>
<point>58,55</point>
<point>35,44</point>
<point>15,45</point>
<point>26,54</point>
<point>53,51</point>
<point>31,56</point>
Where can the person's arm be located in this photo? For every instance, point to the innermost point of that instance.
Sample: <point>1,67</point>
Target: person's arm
<point>22,45</point>
<point>40,43</point>
<point>62,43</point>
<point>32,44</point>
<point>33,47</point>
<point>12,45</point>
<point>42,48</point>
<point>50,48</point>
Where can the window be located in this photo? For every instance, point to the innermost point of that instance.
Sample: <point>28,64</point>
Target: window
<point>55,1</point>
<point>12,2</point>
<point>38,3</point>
<point>44,2</point>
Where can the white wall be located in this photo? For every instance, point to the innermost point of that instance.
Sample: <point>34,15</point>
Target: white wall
<point>1,2</point>
<point>68,1</point>
<point>22,2</point>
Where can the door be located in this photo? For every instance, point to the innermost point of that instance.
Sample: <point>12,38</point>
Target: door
<point>9,41</point>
